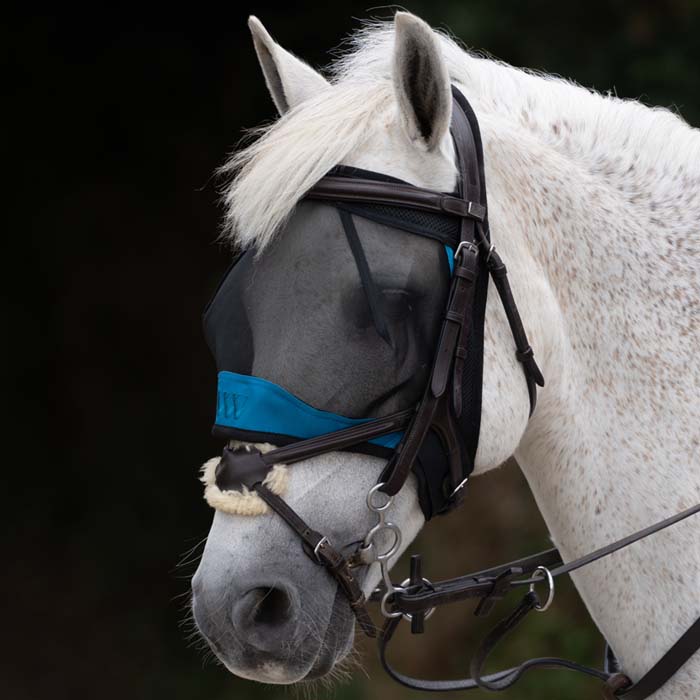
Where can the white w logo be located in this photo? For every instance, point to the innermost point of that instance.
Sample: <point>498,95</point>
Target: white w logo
<point>230,405</point>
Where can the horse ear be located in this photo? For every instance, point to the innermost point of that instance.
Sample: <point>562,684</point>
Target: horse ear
<point>289,80</point>
<point>421,81</point>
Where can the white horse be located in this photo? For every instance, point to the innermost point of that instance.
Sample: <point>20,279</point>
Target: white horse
<point>595,206</point>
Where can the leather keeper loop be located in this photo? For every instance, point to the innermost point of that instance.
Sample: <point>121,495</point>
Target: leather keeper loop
<point>465,273</point>
<point>454,316</point>
<point>496,266</point>
<point>525,355</point>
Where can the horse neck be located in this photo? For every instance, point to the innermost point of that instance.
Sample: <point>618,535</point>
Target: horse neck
<point>613,247</point>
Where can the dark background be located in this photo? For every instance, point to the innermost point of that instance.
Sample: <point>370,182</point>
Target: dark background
<point>114,124</point>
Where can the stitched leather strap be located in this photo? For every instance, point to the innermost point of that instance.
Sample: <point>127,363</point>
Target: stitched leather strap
<point>354,189</point>
<point>240,465</point>
<point>436,686</point>
<point>617,685</point>
<point>478,584</point>
<point>524,352</point>
<point>435,410</point>
<point>320,550</point>
<point>625,541</point>
<point>500,680</point>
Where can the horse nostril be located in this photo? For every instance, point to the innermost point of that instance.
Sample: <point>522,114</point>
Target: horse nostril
<point>270,607</point>
<point>274,606</point>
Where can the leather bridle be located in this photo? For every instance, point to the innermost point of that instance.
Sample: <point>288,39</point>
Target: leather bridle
<point>438,410</point>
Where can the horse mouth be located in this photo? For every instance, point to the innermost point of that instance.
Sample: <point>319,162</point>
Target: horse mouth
<point>337,641</point>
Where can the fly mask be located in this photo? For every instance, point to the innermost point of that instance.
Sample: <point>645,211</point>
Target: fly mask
<point>361,328</point>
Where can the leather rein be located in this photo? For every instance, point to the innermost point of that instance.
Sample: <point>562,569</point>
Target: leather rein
<point>416,601</point>
<point>437,411</point>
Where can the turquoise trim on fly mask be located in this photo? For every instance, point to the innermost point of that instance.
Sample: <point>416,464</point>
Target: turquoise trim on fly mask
<point>254,404</point>
<point>450,258</point>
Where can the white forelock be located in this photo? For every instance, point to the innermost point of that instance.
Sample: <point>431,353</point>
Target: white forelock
<point>272,174</point>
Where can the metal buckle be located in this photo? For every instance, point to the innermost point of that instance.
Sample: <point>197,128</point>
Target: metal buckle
<point>546,576</point>
<point>318,546</point>
<point>465,245</point>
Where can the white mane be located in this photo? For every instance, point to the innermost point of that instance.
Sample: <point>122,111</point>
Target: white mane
<point>606,134</point>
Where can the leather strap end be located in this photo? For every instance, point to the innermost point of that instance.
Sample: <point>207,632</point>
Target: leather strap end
<point>527,358</point>
<point>338,567</point>
<point>363,619</point>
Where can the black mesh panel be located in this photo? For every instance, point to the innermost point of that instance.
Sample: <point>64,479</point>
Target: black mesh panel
<point>297,315</point>
<point>442,228</point>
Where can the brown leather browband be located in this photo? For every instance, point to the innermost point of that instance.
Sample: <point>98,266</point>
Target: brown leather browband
<point>355,189</point>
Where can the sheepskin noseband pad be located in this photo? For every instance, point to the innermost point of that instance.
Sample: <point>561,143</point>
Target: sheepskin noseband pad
<point>234,497</point>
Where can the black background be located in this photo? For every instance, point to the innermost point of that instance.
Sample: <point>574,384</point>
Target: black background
<point>114,124</point>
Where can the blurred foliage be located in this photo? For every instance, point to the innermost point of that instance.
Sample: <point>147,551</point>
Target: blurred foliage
<point>114,125</point>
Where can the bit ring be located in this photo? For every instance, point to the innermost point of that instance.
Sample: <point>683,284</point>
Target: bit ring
<point>429,612</point>
<point>370,502</point>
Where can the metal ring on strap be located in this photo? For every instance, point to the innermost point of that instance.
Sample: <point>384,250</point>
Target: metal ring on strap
<point>546,575</point>
<point>372,534</point>
<point>370,497</point>
<point>385,598</point>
